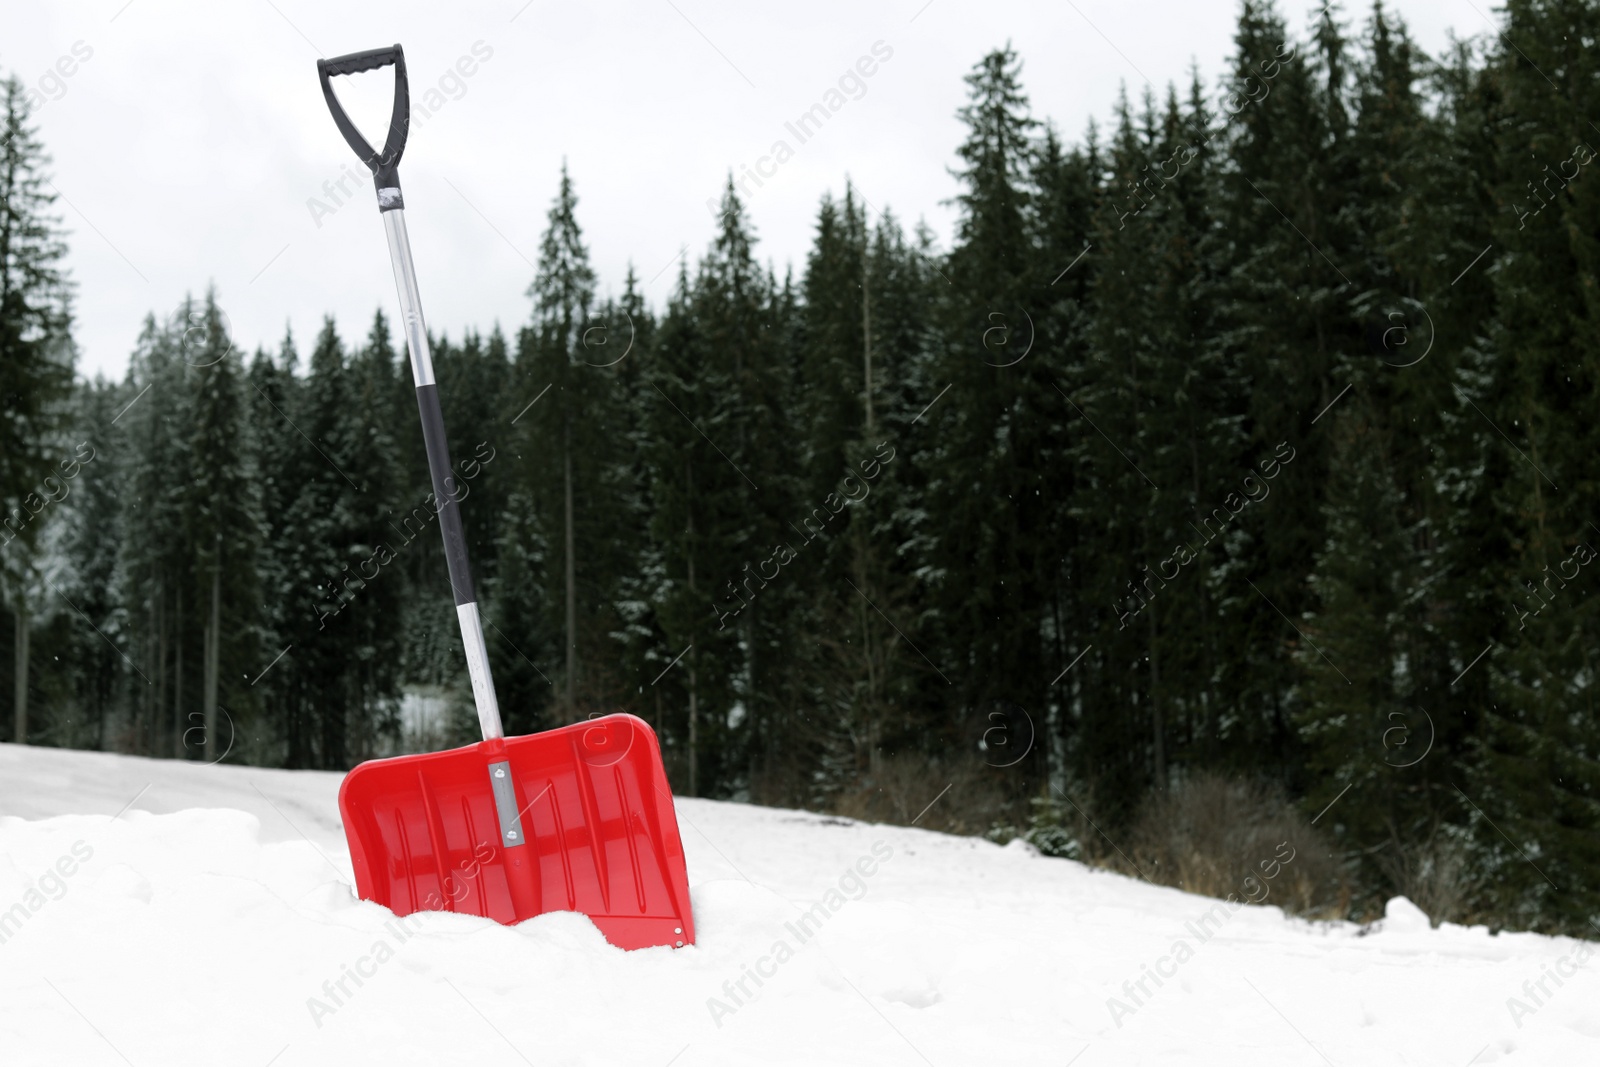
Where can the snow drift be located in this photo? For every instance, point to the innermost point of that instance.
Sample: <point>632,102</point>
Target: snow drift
<point>154,912</point>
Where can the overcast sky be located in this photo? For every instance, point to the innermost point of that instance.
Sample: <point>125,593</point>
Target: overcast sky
<point>189,141</point>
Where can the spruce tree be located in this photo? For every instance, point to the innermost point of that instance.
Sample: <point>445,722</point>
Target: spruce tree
<point>156,552</point>
<point>717,481</point>
<point>274,389</point>
<point>36,357</point>
<point>995,436</point>
<point>376,543</point>
<point>36,352</point>
<point>680,525</point>
<point>91,545</point>
<point>841,373</point>
<point>1157,411</point>
<point>221,519</point>
<point>626,343</point>
<point>1386,727</point>
<point>745,316</point>
<point>1285,195</point>
<point>1536,798</point>
<point>574,458</point>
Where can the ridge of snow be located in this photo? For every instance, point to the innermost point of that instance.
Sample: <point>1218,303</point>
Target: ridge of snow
<point>212,921</point>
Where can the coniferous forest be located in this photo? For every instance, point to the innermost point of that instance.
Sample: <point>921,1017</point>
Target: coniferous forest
<point>1248,438</point>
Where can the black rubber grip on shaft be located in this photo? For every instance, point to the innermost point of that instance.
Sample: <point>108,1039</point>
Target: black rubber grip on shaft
<point>446,494</point>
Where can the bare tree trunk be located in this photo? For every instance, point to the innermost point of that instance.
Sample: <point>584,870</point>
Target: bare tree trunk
<point>161,664</point>
<point>178,744</point>
<point>1158,728</point>
<point>213,644</point>
<point>869,735</point>
<point>863,563</point>
<point>1056,751</point>
<point>145,707</point>
<point>1157,724</point>
<point>572,584</point>
<point>205,691</point>
<point>694,727</point>
<point>866,336</point>
<point>694,740</point>
<point>866,327</point>
<point>1207,697</point>
<point>21,706</point>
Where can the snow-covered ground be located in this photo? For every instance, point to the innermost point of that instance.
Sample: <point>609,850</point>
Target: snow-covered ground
<point>159,913</point>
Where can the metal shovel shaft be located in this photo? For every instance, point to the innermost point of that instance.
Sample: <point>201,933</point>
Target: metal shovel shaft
<point>445,486</point>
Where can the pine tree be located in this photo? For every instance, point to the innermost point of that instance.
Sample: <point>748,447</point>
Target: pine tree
<point>328,513</point>
<point>373,675</point>
<point>1120,436</point>
<point>1068,182</point>
<point>562,293</point>
<point>1157,412</point>
<point>999,438</point>
<point>722,499</point>
<point>1536,798</point>
<point>36,356</point>
<point>156,550</point>
<point>575,457</point>
<point>626,343</point>
<point>835,355</point>
<point>1382,579</point>
<point>274,389</point>
<point>36,352</point>
<point>91,546</point>
<point>1285,200</point>
<point>746,317</point>
<point>322,585</point>
<point>1365,721</point>
<point>680,527</point>
<point>221,526</point>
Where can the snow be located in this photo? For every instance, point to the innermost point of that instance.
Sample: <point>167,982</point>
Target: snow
<point>212,921</point>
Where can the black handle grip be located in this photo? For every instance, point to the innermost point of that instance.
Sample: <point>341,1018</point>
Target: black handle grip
<point>357,62</point>
<point>384,164</point>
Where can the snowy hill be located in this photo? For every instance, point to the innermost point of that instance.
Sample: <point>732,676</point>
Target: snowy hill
<point>153,912</point>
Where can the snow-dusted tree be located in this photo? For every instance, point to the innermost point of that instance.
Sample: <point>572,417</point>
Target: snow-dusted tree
<point>36,357</point>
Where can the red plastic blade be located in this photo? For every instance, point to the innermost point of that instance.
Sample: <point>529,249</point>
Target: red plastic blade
<point>600,834</point>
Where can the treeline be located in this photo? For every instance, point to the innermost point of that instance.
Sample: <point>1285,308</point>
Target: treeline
<point>1255,436</point>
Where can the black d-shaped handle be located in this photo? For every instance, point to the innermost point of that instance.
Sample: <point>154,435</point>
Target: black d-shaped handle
<point>385,164</point>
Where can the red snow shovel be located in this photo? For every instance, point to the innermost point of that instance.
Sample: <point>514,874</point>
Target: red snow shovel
<point>574,819</point>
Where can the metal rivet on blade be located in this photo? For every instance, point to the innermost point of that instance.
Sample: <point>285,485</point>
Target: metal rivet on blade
<point>499,772</point>
<point>677,929</point>
<point>679,944</point>
<point>511,834</point>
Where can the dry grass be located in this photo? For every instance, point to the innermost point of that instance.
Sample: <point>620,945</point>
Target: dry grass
<point>904,787</point>
<point>1217,837</point>
<point>1206,835</point>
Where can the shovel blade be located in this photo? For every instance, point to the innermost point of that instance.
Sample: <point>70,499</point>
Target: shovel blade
<point>574,819</point>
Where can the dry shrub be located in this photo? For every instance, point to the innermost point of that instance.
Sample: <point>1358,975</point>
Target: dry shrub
<point>1208,835</point>
<point>1434,875</point>
<point>904,785</point>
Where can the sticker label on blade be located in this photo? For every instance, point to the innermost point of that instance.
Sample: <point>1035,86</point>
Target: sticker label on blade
<point>505,804</point>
